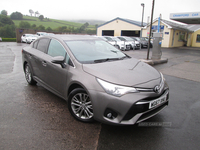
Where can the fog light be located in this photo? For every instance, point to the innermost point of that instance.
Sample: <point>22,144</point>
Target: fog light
<point>109,113</point>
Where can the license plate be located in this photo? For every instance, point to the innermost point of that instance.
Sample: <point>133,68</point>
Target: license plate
<point>157,102</point>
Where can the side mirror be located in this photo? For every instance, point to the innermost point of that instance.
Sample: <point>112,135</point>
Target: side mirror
<point>59,60</point>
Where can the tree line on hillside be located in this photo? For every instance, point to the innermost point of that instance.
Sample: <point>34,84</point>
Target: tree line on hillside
<point>7,26</point>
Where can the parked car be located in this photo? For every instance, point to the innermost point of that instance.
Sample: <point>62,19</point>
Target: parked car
<point>28,38</point>
<point>31,38</point>
<point>49,34</point>
<point>143,42</point>
<point>134,44</point>
<point>122,45</point>
<point>98,81</point>
<point>41,33</point>
<point>147,39</point>
<point>109,40</point>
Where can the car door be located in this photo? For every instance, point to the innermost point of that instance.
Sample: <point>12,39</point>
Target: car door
<point>37,62</point>
<point>55,75</point>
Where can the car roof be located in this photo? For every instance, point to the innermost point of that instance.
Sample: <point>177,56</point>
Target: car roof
<point>67,37</point>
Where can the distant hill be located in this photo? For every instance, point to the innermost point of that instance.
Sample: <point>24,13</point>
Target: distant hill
<point>91,22</point>
<point>52,23</point>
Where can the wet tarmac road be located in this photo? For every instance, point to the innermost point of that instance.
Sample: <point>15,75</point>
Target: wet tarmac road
<point>33,118</point>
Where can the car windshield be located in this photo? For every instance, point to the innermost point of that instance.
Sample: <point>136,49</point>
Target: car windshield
<point>34,35</point>
<point>144,39</point>
<point>109,38</point>
<point>138,39</point>
<point>116,39</point>
<point>94,51</point>
<point>128,38</point>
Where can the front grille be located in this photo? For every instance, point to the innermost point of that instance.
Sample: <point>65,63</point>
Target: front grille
<point>142,108</point>
<point>138,45</point>
<point>152,112</point>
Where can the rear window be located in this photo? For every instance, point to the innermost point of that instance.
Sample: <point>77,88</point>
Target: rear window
<point>43,45</point>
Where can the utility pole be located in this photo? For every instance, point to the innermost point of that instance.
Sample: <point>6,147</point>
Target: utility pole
<point>142,4</point>
<point>150,29</point>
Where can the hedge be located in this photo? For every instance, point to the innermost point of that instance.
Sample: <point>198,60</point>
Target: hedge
<point>9,39</point>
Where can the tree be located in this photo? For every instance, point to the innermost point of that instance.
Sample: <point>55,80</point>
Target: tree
<point>41,28</point>
<point>41,17</point>
<point>91,32</point>
<point>25,25</point>
<point>8,31</point>
<point>7,27</point>
<point>36,13</point>
<point>16,16</point>
<point>86,25</point>
<point>49,29</point>
<point>4,20</point>
<point>34,26</point>
<point>4,12</point>
<point>31,11</point>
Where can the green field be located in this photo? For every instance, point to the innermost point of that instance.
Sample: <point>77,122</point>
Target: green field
<point>52,23</point>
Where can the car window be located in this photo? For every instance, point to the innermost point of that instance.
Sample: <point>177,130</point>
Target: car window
<point>43,45</point>
<point>56,49</point>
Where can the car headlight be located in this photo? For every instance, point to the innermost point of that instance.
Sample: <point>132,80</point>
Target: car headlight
<point>114,89</point>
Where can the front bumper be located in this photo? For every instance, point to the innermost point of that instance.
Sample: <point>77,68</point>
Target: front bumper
<point>128,109</point>
<point>137,45</point>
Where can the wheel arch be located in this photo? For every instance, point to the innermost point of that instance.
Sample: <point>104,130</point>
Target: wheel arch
<point>74,86</point>
<point>24,64</point>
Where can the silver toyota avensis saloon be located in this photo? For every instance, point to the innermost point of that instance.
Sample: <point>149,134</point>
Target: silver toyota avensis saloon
<point>98,81</point>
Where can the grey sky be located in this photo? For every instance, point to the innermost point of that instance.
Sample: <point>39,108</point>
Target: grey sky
<point>100,9</point>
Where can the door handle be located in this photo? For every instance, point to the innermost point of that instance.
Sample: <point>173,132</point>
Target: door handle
<point>44,63</point>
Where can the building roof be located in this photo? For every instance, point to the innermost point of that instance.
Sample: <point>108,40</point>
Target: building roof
<point>173,25</point>
<point>193,27</point>
<point>137,23</point>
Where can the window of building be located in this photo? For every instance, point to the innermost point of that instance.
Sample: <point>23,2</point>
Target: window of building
<point>198,38</point>
<point>181,36</point>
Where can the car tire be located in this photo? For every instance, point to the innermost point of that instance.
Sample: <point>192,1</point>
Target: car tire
<point>80,105</point>
<point>28,75</point>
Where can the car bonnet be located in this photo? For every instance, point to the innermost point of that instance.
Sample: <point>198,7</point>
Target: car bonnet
<point>129,72</point>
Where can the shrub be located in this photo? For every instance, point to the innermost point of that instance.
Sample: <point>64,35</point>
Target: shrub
<point>9,40</point>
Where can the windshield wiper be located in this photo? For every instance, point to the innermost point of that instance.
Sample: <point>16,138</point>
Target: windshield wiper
<point>114,51</point>
<point>123,57</point>
<point>106,59</point>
